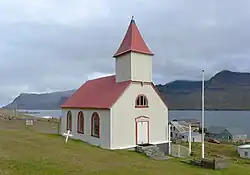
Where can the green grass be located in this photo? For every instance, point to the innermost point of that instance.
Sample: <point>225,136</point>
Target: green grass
<point>24,152</point>
<point>214,150</point>
<point>27,152</point>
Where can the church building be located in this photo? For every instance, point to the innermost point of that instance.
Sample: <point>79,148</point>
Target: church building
<point>123,110</point>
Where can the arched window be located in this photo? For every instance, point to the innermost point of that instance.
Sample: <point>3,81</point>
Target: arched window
<point>69,121</point>
<point>80,123</point>
<point>141,101</point>
<point>95,125</point>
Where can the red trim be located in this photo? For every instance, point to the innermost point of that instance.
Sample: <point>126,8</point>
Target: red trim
<point>148,131</point>
<point>132,50</point>
<point>141,106</point>
<point>69,121</point>
<point>136,128</point>
<point>85,108</point>
<point>79,124</point>
<point>95,114</point>
<point>136,132</point>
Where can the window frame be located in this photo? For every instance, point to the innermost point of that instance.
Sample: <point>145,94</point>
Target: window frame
<point>143,101</point>
<point>246,153</point>
<point>69,121</point>
<point>80,120</point>
<point>95,115</point>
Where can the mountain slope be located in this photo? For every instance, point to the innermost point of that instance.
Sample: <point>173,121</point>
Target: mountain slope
<point>225,90</point>
<point>45,101</point>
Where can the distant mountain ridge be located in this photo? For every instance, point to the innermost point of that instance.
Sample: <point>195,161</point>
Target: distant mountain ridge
<point>226,90</point>
<point>45,101</point>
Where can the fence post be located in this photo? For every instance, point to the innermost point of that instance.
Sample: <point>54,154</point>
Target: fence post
<point>179,150</point>
<point>59,124</point>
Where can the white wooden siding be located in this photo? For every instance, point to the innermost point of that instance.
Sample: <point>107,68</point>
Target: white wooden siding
<point>124,114</point>
<point>104,115</point>
<point>134,66</point>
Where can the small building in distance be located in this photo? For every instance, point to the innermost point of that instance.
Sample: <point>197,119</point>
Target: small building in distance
<point>195,136</point>
<point>226,134</point>
<point>177,128</point>
<point>244,151</point>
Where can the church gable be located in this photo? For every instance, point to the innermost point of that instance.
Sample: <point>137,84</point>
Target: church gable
<point>141,95</point>
<point>139,100</point>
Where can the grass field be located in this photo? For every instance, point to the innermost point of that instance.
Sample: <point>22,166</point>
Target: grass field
<point>24,152</point>
<point>27,152</point>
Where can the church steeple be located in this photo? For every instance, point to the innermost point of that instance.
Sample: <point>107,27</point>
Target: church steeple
<point>133,59</point>
<point>133,41</point>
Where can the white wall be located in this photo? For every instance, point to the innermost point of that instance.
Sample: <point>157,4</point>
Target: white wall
<point>242,137</point>
<point>134,66</point>
<point>196,138</point>
<point>104,115</point>
<point>242,153</point>
<point>124,114</point>
<point>123,67</point>
<point>141,67</point>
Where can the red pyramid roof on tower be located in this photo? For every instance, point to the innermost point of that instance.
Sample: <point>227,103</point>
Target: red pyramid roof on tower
<point>133,41</point>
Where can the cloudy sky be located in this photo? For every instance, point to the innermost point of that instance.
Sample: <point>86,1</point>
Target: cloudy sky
<point>48,45</point>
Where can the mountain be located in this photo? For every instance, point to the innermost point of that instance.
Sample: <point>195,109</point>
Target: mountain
<point>226,90</point>
<point>46,101</point>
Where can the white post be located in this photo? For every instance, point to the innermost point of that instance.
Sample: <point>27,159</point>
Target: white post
<point>169,139</point>
<point>189,141</point>
<point>179,150</point>
<point>202,117</point>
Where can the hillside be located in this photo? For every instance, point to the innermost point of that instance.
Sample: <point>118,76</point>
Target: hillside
<point>226,90</point>
<point>45,101</point>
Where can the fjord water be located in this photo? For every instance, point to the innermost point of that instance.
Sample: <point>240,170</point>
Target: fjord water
<point>216,118</point>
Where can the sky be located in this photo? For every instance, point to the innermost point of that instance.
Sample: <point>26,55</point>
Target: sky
<point>53,45</point>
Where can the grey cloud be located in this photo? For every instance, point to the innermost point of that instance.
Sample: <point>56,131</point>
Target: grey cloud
<point>59,45</point>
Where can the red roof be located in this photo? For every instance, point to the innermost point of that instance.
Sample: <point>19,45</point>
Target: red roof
<point>133,41</point>
<point>99,93</point>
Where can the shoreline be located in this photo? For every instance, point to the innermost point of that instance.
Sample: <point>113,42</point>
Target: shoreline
<point>209,109</point>
<point>33,111</point>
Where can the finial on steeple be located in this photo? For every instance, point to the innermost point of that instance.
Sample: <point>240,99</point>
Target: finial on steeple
<point>132,19</point>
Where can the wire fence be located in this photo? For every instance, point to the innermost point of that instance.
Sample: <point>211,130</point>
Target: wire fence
<point>178,150</point>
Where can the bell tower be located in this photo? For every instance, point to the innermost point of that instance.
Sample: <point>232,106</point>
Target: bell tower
<point>133,59</point>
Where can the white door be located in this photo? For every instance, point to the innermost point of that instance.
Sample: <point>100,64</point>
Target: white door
<point>142,132</point>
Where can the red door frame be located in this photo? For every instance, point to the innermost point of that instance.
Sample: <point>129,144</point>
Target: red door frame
<point>141,119</point>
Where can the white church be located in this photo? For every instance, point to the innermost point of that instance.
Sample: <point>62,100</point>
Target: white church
<point>123,110</point>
